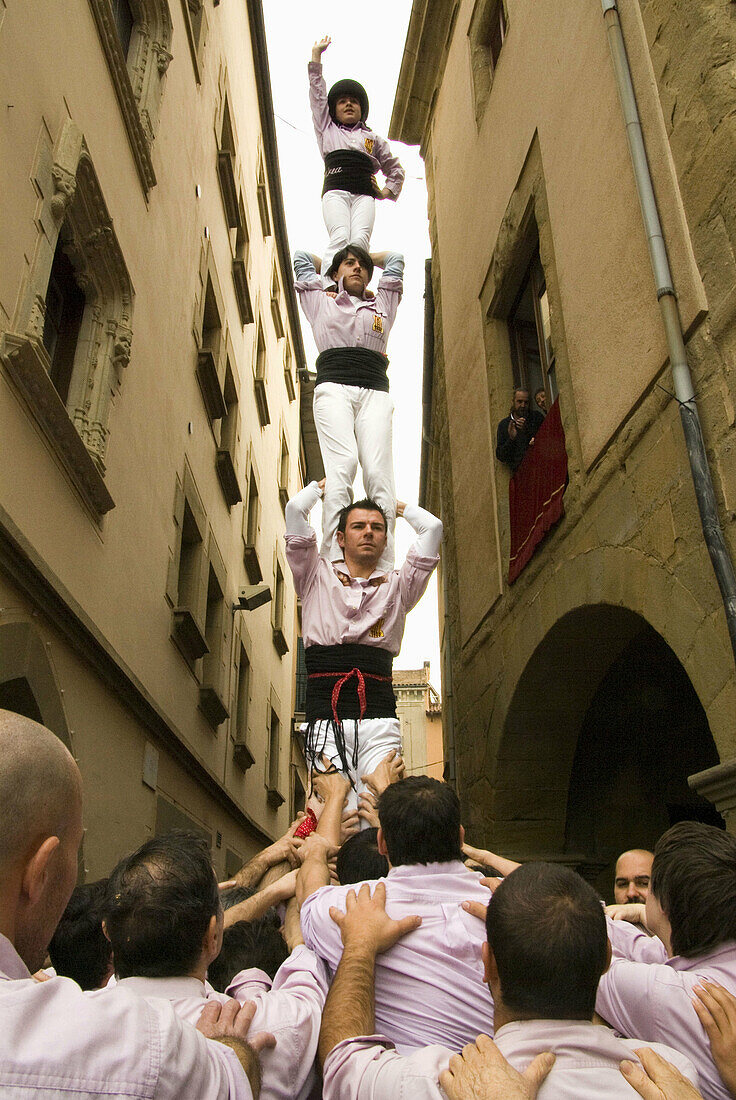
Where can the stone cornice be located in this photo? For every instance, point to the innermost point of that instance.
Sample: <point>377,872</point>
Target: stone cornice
<point>717,784</point>
<point>102,11</point>
<point>27,570</point>
<point>421,71</point>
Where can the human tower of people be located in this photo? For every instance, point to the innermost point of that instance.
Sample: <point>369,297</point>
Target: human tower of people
<point>370,953</point>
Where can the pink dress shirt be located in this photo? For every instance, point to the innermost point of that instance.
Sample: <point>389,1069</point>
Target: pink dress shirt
<point>586,1065</point>
<point>331,136</point>
<point>290,1008</point>
<point>646,993</point>
<point>338,608</point>
<point>58,1042</point>
<point>347,321</point>
<point>429,986</point>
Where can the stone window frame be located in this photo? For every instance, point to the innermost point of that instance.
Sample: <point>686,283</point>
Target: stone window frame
<point>188,619</point>
<point>211,363</point>
<point>273,777</point>
<point>525,228</point>
<point>482,62</point>
<point>284,467</point>
<point>241,721</point>
<point>278,605</point>
<point>197,28</point>
<point>227,432</point>
<point>252,521</point>
<point>289,371</point>
<point>138,78</point>
<point>214,672</point>
<point>70,196</point>
<point>259,360</point>
<point>278,320</point>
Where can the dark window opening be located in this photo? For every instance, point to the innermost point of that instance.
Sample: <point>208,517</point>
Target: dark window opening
<point>124,23</point>
<point>65,302</point>
<point>531,344</point>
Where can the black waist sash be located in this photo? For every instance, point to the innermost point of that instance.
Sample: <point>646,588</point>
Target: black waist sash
<point>348,170</point>
<point>353,367</point>
<point>345,682</point>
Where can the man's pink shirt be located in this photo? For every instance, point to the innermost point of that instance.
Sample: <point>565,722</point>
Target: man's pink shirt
<point>290,1008</point>
<point>647,994</point>
<point>57,1042</point>
<point>338,608</point>
<point>429,986</point>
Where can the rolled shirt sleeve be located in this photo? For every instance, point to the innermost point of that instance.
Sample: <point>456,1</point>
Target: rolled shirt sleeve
<point>368,1068</point>
<point>422,556</point>
<point>390,166</point>
<point>291,1010</point>
<point>390,287</point>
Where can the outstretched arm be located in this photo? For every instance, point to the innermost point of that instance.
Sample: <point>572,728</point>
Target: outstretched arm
<point>391,168</point>
<point>428,528</point>
<point>299,507</point>
<point>318,90</point>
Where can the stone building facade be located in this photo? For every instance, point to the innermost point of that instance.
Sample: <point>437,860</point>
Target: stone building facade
<point>580,699</point>
<point>419,711</point>
<point>150,415</point>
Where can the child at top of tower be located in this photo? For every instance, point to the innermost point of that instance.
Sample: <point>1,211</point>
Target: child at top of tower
<point>353,154</point>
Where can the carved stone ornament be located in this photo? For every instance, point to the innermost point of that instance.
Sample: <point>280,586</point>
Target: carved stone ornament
<point>65,184</point>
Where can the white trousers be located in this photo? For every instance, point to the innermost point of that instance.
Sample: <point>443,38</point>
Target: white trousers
<point>349,220</point>
<point>355,425</point>
<point>376,738</point>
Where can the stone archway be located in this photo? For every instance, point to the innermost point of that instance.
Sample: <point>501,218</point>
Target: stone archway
<point>28,682</point>
<point>565,640</point>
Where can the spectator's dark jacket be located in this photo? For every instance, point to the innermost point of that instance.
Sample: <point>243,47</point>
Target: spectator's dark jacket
<point>511,451</point>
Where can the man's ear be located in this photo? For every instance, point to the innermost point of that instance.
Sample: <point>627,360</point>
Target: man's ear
<point>341,539</point>
<point>490,970</point>
<point>381,844</point>
<point>36,873</point>
<point>212,943</point>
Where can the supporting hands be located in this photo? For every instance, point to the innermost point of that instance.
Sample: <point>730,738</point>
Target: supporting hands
<point>319,48</point>
<point>716,1009</point>
<point>480,1072</point>
<point>658,1079</point>
<point>633,912</point>
<point>367,809</point>
<point>229,1024</point>
<point>390,770</point>
<point>365,924</point>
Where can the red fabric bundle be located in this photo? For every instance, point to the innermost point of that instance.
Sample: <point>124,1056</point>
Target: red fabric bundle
<point>536,490</point>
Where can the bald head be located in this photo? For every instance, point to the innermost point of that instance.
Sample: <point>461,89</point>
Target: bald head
<point>40,787</point>
<point>40,834</point>
<point>633,872</point>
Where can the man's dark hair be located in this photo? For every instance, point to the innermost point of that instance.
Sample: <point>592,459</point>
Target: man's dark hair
<point>547,931</point>
<point>359,859</point>
<point>158,906</point>
<point>366,505</point>
<point>351,250</point>
<point>233,895</point>
<point>420,819</point>
<point>245,944</point>
<point>694,881</point>
<point>79,949</point>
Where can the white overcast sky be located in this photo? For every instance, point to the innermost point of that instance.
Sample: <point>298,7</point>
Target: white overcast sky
<point>367,44</point>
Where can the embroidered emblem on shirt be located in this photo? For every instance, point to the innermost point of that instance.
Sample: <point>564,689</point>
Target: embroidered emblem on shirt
<point>369,145</point>
<point>378,323</point>
<point>376,631</point>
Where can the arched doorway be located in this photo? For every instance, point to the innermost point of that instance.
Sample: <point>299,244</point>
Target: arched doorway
<point>603,729</point>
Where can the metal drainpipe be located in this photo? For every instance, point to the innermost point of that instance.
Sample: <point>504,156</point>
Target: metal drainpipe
<point>684,392</point>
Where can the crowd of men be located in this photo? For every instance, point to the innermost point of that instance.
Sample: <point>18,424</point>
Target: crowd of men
<point>396,961</point>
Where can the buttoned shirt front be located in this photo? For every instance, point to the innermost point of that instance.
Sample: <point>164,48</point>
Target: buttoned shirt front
<point>290,1008</point>
<point>429,986</point>
<point>331,136</point>
<point>645,993</point>
<point>347,321</point>
<point>338,608</point>
<point>587,1059</point>
<point>58,1042</point>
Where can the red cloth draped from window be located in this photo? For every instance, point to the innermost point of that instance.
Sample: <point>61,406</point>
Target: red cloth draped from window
<point>536,490</point>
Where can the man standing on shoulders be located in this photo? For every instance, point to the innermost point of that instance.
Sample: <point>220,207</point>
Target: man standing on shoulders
<point>353,411</point>
<point>353,617</point>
